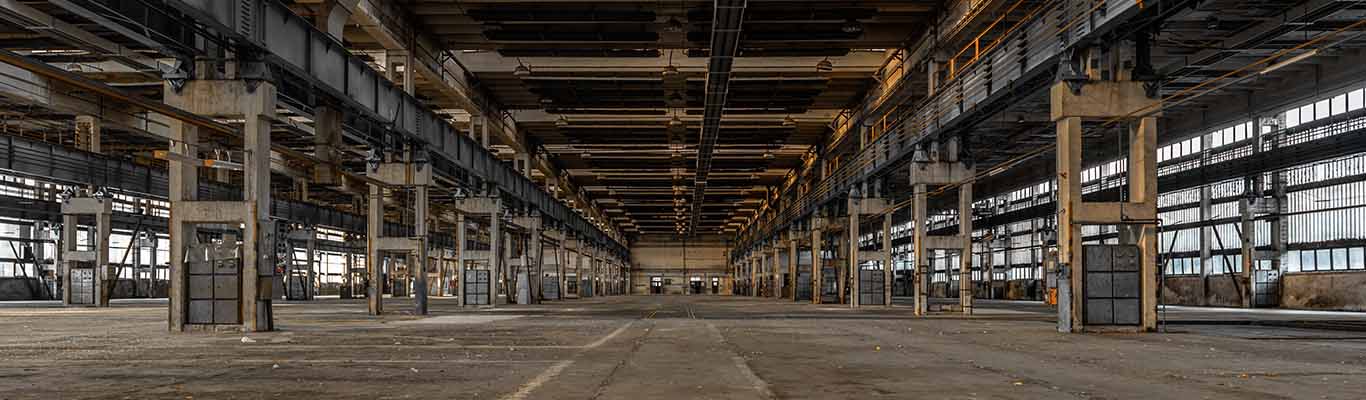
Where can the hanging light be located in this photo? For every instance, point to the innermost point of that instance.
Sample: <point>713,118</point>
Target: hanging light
<point>789,121</point>
<point>825,65</point>
<point>670,71</point>
<point>562,122</point>
<point>676,121</point>
<point>852,26</point>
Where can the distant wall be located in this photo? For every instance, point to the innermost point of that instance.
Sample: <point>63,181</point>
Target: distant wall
<point>676,261</point>
<point>1324,291</point>
<point>20,289</point>
<point>1213,290</point>
<point>31,289</point>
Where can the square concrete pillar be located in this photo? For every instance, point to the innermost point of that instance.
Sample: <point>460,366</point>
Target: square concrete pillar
<point>1105,101</point>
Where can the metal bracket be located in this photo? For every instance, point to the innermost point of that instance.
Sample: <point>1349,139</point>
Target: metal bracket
<point>1068,72</point>
<point>254,72</point>
<point>179,74</point>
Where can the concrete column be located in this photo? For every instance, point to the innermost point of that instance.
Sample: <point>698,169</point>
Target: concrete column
<point>561,259</point>
<point>310,290</point>
<point>68,245</point>
<point>887,259</point>
<point>1206,243</point>
<point>965,258</point>
<point>816,279</point>
<point>484,131</point>
<point>460,258</point>
<point>791,266</point>
<point>854,270</point>
<point>775,271</point>
<point>442,265</point>
<point>1068,110</point>
<point>409,72</point>
<point>254,103</point>
<point>327,141</point>
<point>756,265</point>
<point>98,255</point>
<point>257,244</point>
<point>374,259</point>
<point>348,284</point>
<point>920,278</point>
<point>495,250</point>
<point>419,266</point>
<point>536,260</point>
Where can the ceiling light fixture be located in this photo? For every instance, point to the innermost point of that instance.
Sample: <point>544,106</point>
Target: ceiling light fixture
<point>562,122</point>
<point>670,71</point>
<point>825,65</point>
<point>789,121</point>
<point>676,121</point>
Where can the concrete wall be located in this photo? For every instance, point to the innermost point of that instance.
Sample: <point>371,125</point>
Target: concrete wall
<point>1214,290</point>
<point>30,289</point>
<point>1023,289</point>
<point>672,259</point>
<point>1324,291</point>
<point>20,289</point>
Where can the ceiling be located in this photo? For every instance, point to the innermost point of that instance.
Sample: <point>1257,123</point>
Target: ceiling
<point>613,92</point>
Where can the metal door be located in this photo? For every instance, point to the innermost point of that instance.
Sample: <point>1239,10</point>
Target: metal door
<point>477,287</point>
<point>870,287</point>
<point>215,275</point>
<point>82,284</point>
<point>1112,286</point>
<point>1266,288</point>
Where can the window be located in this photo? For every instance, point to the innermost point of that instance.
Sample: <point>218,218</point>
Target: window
<point>1355,99</point>
<point>1354,258</point>
<point>1339,259</point>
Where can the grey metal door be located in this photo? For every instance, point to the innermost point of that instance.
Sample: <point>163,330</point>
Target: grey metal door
<point>870,287</point>
<point>1266,288</point>
<point>477,287</point>
<point>1112,285</point>
<point>82,285</point>
<point>215,274</point>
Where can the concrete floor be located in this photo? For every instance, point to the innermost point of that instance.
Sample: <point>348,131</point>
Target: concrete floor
<point>669,347</point>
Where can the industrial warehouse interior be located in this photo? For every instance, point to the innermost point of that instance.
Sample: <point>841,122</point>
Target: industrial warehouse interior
<point>691,199</point>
